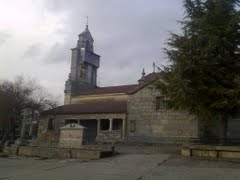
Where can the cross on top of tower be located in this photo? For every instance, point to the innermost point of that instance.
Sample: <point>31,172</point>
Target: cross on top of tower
<point>87,23</point>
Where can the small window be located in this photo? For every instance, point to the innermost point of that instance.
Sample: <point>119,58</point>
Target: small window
<point>117,124</point>
<point>160,103</point>
<point>163,104</point>
<point>105,124</point>
<point>51,123</point>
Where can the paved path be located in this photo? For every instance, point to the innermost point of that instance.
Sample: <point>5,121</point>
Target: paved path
<point>135,163</point>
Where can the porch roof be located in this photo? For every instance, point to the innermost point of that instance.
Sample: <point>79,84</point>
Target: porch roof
<point>91,108</point>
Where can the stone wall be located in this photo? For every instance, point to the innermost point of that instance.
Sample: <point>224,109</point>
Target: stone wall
<point>209,130</point>
<point>233,127</point>
<point>146,123</point>
<point>211,151</point>
<point>46,152</point>
<point>109,136</point>
<point>45,135</point>
<point>71,136</point>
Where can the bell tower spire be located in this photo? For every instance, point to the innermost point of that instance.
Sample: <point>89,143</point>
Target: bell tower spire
<point>84,65</point>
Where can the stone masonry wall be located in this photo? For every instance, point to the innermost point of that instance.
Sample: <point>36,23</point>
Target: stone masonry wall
<point>155,125</point>
<point>50,136</point>
<point>45,135</point>
<point>109,136</point>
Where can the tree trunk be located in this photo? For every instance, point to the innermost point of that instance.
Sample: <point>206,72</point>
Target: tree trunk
<point>223,129</point>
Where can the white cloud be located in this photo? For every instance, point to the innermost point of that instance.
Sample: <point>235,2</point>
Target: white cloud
<point>36,37</point>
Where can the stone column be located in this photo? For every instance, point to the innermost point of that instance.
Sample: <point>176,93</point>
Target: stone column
<point>98,125</point>
<point>123,127</point>
<point>24,123</point>
<point>110,124</point>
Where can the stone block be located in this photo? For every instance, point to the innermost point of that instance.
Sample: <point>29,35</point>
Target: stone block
<point>204,153</point>
<point>229,154</point>
<point>71,136</point>
<point>85,154</point>
<point>185,152</point>
<point>228,148</point>
<point>45,152</point>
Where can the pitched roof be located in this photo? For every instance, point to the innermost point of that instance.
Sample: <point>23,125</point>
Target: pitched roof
<point>151,76</point>
<point>147,80</point>
<point>109,89</point>
<point>131,88</point>
<point>86,33</point>
<point>111,107</point>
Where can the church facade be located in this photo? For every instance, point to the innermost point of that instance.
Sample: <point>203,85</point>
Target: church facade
<point>134,112</point>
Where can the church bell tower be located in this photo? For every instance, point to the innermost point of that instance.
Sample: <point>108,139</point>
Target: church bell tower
<point>84,65</point>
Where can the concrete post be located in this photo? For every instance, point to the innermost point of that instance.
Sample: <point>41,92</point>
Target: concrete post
<point>110,125</point>
<point>31,124</point>
<point>98,125</point>
<point>123,128</point>
<point>25,114</point>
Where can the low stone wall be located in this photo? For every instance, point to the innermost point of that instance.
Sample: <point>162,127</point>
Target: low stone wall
<point>153,140</point>
<point>50,136</point>
<point>211,151</point>
<point>50,152</point>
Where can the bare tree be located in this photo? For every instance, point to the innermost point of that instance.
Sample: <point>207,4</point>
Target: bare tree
<point>17,95</point>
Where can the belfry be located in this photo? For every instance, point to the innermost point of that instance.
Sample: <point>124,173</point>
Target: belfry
<point>84,65</point>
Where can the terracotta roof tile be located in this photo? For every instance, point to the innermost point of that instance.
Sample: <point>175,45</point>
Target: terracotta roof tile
<point>148,79</point>
<point>109,89</point>
<point>120,89</point>
<point>91,108</point>
<point>151,76</point>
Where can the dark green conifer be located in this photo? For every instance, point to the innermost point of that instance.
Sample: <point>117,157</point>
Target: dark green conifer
<point>204,72</point>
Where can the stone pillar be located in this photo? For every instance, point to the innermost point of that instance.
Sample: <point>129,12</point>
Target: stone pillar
<point>110,125</point>
<point>23,123</point>
<point>123,127</point>
<point>98,125</point>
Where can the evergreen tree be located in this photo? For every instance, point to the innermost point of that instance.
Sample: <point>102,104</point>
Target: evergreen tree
<point>204,72</point>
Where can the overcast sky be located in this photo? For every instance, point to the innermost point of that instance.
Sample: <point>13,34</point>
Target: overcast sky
<point>36,37</point>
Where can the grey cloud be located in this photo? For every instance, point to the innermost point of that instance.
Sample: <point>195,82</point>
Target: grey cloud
<point>34,51</point>
<point>129,35</point>
<point>59,52</point>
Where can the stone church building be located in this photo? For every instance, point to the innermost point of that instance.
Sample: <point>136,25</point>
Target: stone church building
<point>133,112</point>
